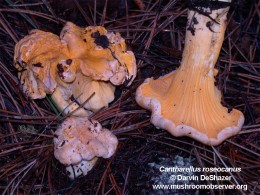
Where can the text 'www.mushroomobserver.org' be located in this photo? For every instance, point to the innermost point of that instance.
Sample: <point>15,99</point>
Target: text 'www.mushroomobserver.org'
<point>200,187</point>
<point>189,178</point>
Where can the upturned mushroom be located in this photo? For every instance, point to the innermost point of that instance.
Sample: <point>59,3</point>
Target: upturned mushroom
<point>186,102</point>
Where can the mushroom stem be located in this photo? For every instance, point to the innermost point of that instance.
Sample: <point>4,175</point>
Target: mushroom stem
<point>67,107</point>
<point>186,101</point>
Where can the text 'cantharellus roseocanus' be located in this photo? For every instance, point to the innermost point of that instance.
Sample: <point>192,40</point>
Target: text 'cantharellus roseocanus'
<point>186,102</point>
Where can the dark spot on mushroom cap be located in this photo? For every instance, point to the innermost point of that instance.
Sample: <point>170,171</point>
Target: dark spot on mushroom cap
<point>195,21</point>
<point>60,70</point>
<point>229,110</point>
<point>62,143</point>
<point>102,41</point>
<point>192,30</point>
<point>69,61</point>
<point>72,98</point>
<point>39,64</point>
<point>95,34</point>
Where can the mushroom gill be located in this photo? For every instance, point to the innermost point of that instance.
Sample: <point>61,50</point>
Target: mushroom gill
<point>186,101</point>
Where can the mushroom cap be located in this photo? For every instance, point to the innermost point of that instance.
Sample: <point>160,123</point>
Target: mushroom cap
<point>36,56</point>
<point>186,101</point>
<point>103,55</point>
<point>38,43</point>
<point>79,138</point>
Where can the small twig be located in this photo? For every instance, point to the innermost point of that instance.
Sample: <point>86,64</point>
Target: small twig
<point>126,181</point>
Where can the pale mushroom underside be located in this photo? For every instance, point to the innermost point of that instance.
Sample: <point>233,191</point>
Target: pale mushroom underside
<point>186,101</point>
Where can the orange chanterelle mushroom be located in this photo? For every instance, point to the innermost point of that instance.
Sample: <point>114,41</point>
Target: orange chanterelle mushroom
<point>80,70</point>
<point>186,101</point>
<point>81,62</point>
